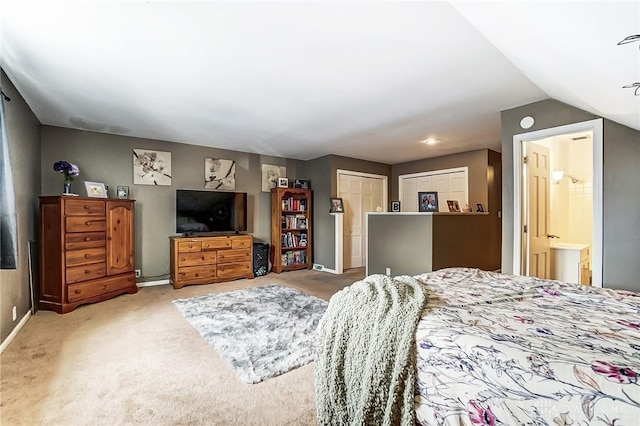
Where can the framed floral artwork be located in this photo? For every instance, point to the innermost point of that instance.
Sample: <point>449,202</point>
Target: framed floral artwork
<point>151,167</point>
<point>219,174</point>
<point>270,175</point>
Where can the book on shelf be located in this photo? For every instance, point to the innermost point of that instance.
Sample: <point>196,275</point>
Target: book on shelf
<point>294,258</point>
<point>292,204</point>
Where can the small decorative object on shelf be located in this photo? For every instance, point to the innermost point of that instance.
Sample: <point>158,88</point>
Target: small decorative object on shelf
<point>466,208</point>
<point>70,171</point>
<point>283,182</point>
<point>395,206</point>
<point>336,205</point>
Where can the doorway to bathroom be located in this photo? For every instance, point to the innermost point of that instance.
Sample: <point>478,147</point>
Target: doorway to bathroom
<point>558,203</point>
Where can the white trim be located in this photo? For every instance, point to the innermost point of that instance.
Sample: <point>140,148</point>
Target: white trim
<point>464,169</point>
<point>596,127</point>
<point>152,283</point>
<point>15,331</point>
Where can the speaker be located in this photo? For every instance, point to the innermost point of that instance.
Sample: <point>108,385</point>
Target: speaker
<point>260,259</point>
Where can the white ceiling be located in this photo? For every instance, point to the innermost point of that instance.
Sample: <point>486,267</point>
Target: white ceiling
<point>368,80</point>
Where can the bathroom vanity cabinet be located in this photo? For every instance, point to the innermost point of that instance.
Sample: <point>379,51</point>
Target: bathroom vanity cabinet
<point>571,263</point>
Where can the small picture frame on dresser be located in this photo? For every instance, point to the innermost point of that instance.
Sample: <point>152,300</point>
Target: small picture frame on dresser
<point>95,189</point>
<point>122,192</point>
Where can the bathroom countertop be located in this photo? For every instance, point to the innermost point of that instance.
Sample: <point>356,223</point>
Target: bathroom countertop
<point>569,246</point>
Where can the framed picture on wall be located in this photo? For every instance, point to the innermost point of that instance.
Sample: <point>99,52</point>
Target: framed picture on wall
<point>428,201</point>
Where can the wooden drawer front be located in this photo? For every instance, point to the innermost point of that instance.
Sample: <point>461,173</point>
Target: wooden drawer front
<point>233,270</point>
<point>240,255</point>
<point>85,223</point>
<point>84,208</point>
<point>86,256</point>
<point>84,241</point>
<point>195,259</point>
<point>77,292</point>
<point>196,273</point>
<point>86,272</point>
<point>189,246</point>
<point>216,243</point>
<point>241,242</point>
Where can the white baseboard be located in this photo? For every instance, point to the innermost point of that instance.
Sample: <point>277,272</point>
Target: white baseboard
<point>331,271</point>
<point>15,331</point>
<point>152,283</point>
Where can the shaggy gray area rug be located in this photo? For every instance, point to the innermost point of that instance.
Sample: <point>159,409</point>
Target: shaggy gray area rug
<point>262,331</point>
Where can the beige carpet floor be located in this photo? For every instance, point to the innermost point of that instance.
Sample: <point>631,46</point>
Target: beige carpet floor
<point>135,360</point>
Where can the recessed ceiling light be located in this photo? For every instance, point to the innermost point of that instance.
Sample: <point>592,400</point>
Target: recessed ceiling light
<point>431,141</point>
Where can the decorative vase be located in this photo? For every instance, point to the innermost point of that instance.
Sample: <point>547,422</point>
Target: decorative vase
<point>67,187</point>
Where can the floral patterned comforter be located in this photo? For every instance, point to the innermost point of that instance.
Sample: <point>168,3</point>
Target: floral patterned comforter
<point>498,349</point>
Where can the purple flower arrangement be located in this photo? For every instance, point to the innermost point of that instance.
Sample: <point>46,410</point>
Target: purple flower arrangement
<point>70,170</point>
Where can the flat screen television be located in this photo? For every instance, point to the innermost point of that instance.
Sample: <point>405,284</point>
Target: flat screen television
<point>200,212</point>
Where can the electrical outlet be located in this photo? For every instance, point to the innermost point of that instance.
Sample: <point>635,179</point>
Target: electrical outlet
<point>138,273</point>
<point>15,313</point>
<point>389,271</point>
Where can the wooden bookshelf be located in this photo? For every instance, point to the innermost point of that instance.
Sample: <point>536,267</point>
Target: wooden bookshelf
<point>291,228</point>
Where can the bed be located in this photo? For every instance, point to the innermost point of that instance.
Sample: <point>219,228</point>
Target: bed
<point>499,349</point>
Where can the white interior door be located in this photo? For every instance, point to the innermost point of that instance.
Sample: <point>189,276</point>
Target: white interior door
<point>360,194</point>
<point>537,223</point>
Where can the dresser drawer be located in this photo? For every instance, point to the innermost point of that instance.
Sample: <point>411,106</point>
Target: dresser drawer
<point>77,292</point>
<point>198,258</point>
<point>86,272</point>
<point>84,208</point>
<point>85,223</point>
<point>234,255</point>
<point>85,256</point>
<point>197,273</point>
<point>189,246</point>
<point>84,240</point>
<point>241,242</point>
<point>234,270</point>
<point>216,243</point>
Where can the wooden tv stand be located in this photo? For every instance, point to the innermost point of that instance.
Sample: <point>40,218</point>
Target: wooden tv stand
<point>210,259</point>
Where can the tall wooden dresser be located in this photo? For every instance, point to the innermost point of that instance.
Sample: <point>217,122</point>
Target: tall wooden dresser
<point>86,251</point>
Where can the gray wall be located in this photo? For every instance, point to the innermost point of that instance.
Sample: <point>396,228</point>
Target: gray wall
<point>323,172</point>
<point>621,216</point>
<point>621,263</point>
<point>402,242</point>
<point>23,132</point>
<point>109,158</point>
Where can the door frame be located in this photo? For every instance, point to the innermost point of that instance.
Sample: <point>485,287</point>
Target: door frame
<point>596,127</point>
<point>385,198</point>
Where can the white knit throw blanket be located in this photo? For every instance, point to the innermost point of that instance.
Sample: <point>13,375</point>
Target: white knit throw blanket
<point>365,362</point>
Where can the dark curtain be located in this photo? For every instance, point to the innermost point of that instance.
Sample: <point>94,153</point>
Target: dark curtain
<point>8,219</point>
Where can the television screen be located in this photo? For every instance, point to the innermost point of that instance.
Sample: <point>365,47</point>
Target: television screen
<point>210,211</point>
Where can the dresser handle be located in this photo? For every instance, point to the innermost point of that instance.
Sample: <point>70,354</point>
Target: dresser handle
<point>88,223</point>
<point>86,207</point>
<point>87,255</point>
<point>87,239</point>
<point>86,271</point>
<point>183,259</point>
<point>76,291</point>
<point>190,246</point>
<point>197,275</point>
